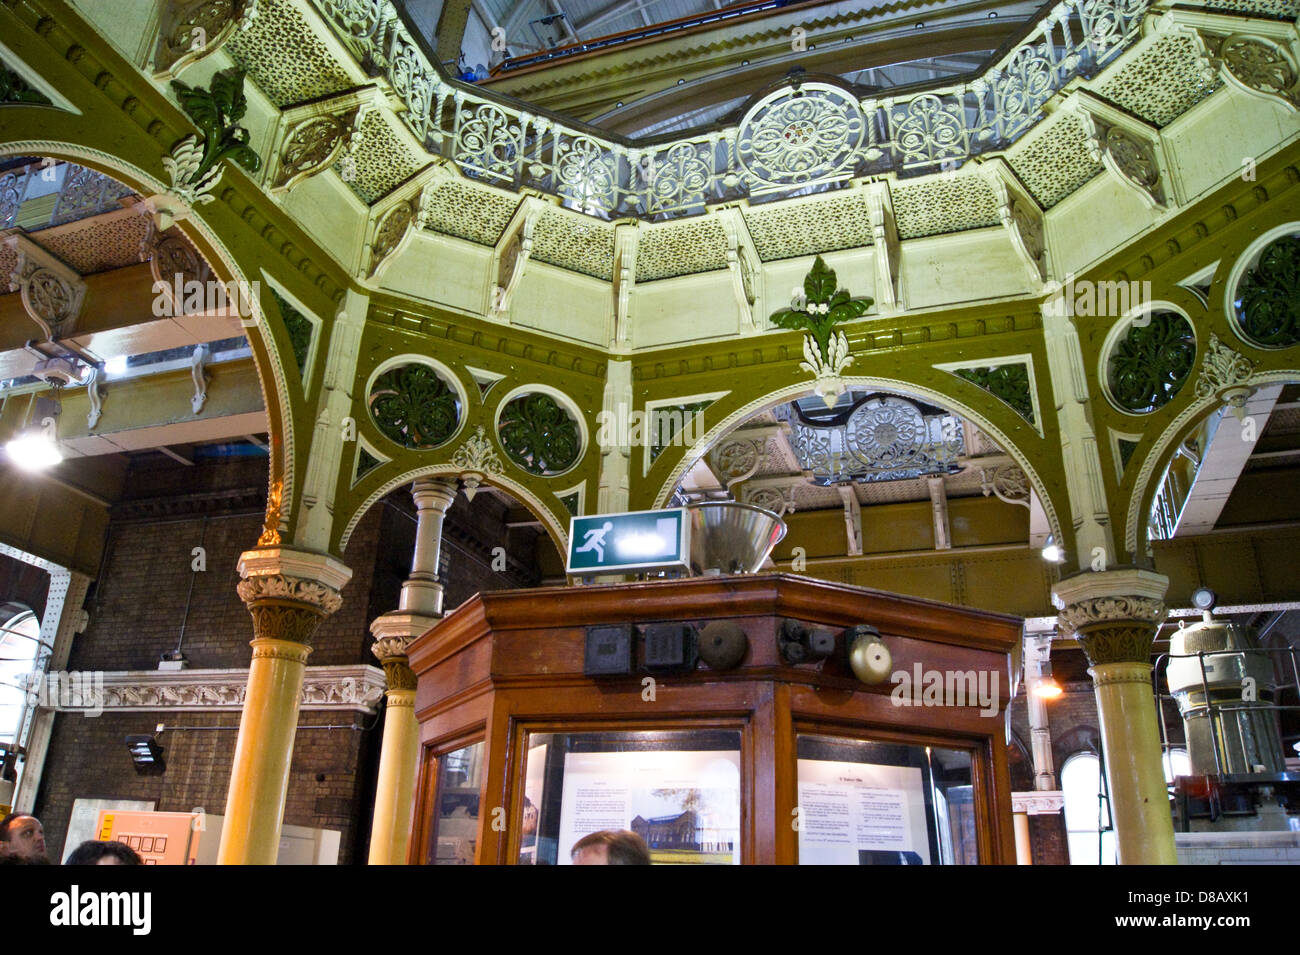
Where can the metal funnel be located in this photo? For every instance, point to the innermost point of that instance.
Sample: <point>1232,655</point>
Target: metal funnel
<point>731,538</point>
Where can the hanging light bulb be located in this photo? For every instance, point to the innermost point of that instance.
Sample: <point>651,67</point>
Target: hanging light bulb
<point>1052,552</point>
<point>1045,686</point>
<point>36,446</point>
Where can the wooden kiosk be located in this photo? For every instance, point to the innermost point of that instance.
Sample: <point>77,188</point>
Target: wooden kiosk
<point>547,713</point>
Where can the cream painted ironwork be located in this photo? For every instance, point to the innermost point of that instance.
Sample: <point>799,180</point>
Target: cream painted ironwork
<point>804,135</point>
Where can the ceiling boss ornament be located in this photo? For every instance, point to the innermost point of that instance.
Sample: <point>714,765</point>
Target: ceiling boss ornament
<point>817,308</point>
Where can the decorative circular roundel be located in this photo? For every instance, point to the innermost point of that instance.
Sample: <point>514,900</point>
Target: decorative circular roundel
<point>1266,302</point>
<point>1151,362</point>
<point>412,406</point>
<point>798,135</point>
<point>539,434</point>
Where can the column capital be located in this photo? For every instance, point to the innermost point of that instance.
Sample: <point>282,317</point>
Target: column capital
<point>1113,614</point>
<point>289,592</point>
<point>437,493</point>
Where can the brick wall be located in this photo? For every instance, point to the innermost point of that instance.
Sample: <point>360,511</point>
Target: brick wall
<point>88,759</point>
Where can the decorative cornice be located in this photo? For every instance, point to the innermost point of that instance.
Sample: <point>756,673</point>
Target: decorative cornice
<point>358,687</point>
<point>1038,803</point>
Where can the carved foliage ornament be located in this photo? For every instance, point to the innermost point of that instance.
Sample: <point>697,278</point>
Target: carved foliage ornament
<point>1221,368</point>
<point>1260,65</point>
<point>313,145</point>
<point>1113,629</point>
<point>799,135</point>
<point>539,434</point>
<point>393,229</point>
<point>1268,296</point>
<point>195,161</point>
<point>1095,611</point>
<point>816,308</point>
<point>281,588</point>
<point>1008,383</point>
<point>477,459</point>
<point>1152,362</point>
<point>51,295</point>
<point>271,523</point>
<point>191,30</point>
<point>412,406</point>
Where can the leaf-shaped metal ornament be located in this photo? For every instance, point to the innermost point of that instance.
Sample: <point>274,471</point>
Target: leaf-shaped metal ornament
<point>217,112</point>
<point>817,308</point>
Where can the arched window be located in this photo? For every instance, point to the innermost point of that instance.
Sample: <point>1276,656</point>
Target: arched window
<point>1177,763</point>
<point>1087,819</point>
<point>20,641</point>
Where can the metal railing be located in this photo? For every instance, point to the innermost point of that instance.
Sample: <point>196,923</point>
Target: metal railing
<point>804,136</point>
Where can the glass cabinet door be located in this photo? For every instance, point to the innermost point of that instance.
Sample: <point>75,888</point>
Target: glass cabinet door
<point>870,803</point>
<point>456,806</point>
<point>678,790</point>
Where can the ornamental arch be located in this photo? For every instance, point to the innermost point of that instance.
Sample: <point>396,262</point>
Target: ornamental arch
<point>269,349</point>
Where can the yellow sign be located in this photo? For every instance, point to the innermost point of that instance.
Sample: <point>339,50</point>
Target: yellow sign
<point>106,830</point>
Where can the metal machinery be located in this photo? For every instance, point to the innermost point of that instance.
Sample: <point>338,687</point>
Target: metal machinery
<point>1225,686</point>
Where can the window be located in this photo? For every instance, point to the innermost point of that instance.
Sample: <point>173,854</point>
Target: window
<point>19,643</point>
<point>1087,817</point>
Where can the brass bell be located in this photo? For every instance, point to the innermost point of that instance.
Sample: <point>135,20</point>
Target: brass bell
<point>722,644</point>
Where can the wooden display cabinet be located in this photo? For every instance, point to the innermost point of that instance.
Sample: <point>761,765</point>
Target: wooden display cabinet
<point>508,667</point>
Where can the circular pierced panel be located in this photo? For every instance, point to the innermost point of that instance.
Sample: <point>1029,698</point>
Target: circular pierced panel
<point>801,135</point>
<point>1266,303</point>
<point>539,434</point>
<point>414,407</point>
<point>1149,364</point>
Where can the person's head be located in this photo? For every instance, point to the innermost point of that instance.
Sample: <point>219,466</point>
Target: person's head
<point>103,853</point>
<point>21,835</point>
<point>611,847</point>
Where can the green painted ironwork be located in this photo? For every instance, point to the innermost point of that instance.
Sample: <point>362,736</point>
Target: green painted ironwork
<point>668,422</point>
<point>300,331</point>
<point>413,407</point>
<point>1151,363</point>
<point>1126,449</point>
<point>14,89</point>
<point>820,307</point>
<point>217,112</point>
<point>570,502</point>
<point>538,434</point>
<point>1008,383</point>
<point>1268,297</point>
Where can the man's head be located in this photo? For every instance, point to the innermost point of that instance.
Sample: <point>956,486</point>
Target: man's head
<point>21,835</point>
<point>611,847</point>
<point>94,852</point>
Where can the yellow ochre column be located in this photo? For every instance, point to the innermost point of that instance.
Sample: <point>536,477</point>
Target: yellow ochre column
<point>419,608</point>
<point>390,833</point>
<point>1114,615</point>
<point>288,593</point>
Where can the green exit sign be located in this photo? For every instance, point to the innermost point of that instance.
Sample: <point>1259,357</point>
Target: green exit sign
<point>634,541</point>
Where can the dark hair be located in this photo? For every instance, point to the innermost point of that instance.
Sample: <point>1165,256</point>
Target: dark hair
<point>91,851</point>
<point>9,820</point>
<point>621,846</point>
